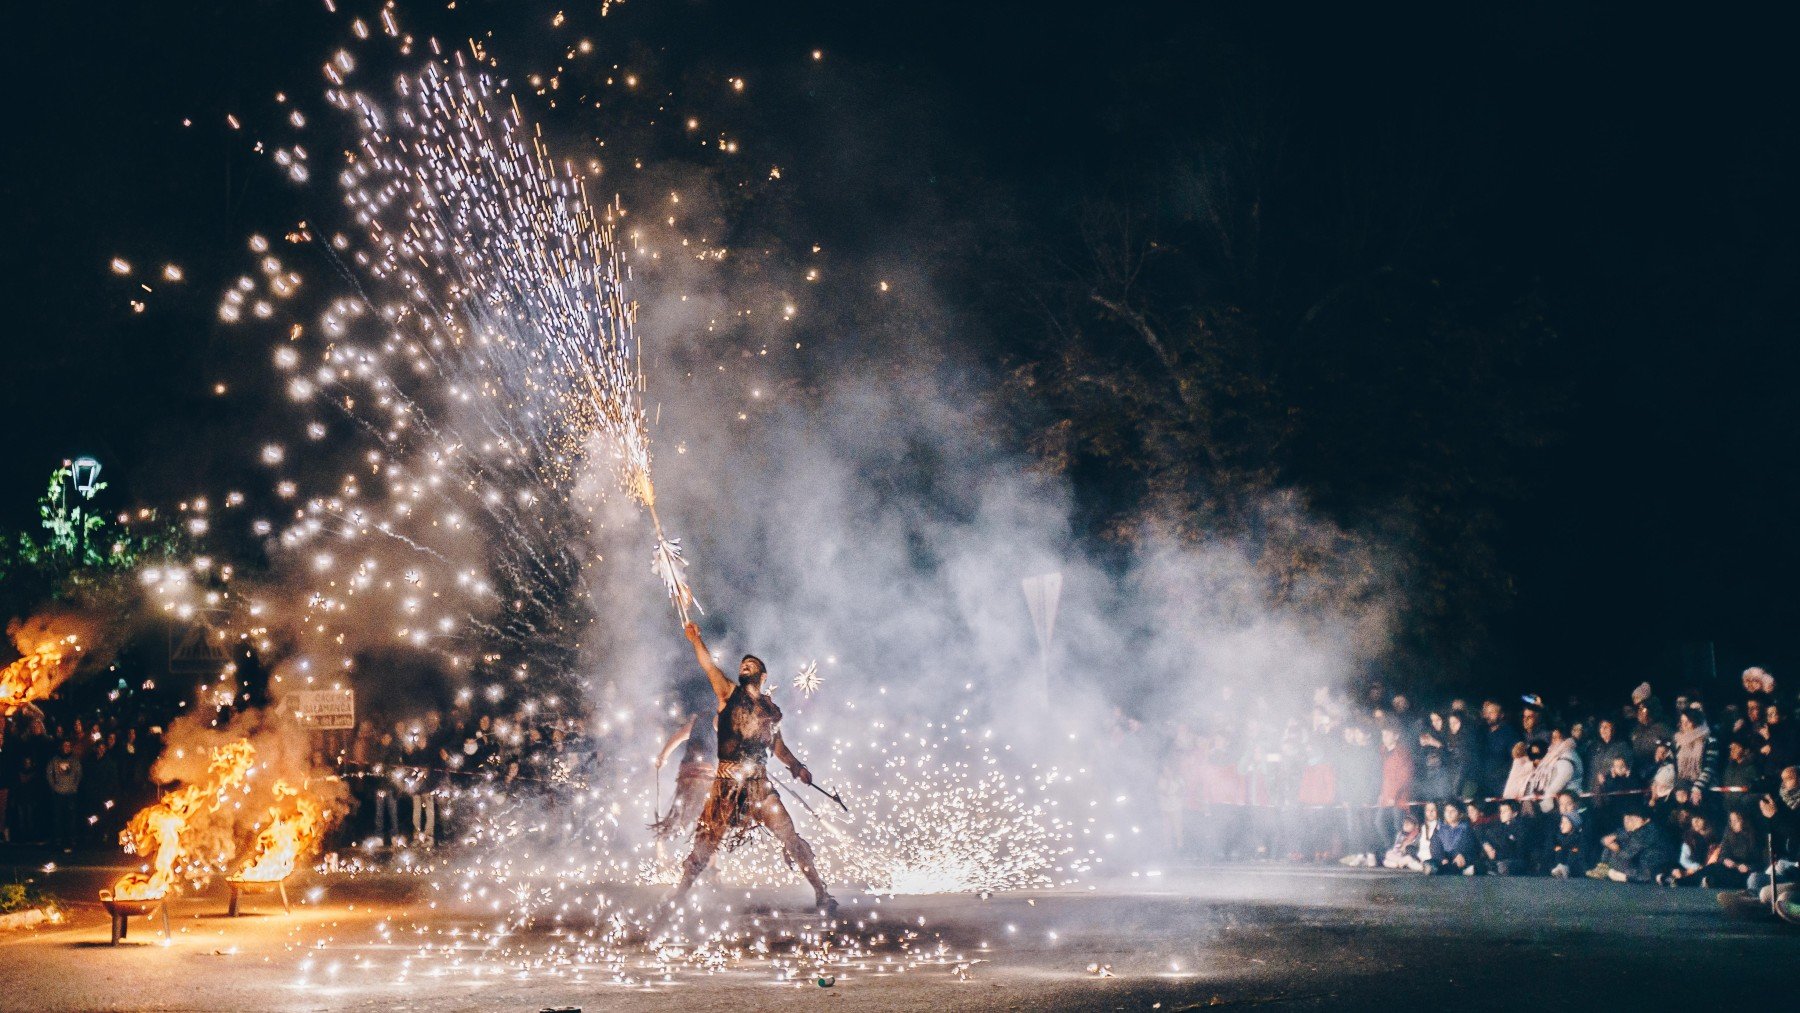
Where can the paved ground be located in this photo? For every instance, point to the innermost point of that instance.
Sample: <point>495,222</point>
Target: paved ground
<point>1191,939</point>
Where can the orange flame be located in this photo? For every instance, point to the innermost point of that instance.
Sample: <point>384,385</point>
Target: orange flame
<point>39,669</point>
<point>290,836</point>
<point>177,831</point>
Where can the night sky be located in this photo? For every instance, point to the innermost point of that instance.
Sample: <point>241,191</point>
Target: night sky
<point>1634,167</point>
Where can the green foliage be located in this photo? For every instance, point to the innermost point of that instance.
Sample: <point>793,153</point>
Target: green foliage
<point>21,895</point>
<point>79,555</point>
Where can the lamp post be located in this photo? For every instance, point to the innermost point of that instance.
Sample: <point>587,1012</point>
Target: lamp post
<point>84,476</point>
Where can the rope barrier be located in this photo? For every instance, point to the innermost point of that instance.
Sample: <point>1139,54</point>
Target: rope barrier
<point>1484,800</point>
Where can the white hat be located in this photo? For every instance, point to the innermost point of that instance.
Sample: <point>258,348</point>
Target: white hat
<point>1640,694</point>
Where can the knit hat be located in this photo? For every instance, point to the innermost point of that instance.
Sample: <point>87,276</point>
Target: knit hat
<point>1640,694</point>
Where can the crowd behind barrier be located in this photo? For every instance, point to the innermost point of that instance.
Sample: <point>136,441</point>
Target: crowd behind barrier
<point>1691,791</point>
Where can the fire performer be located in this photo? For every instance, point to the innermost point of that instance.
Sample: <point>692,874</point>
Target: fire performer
<point>742,797</point>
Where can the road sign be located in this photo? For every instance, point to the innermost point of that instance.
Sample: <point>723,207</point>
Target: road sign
<point>324,709</point>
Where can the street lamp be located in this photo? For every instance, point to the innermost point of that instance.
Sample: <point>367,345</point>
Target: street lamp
<point>84,475</point>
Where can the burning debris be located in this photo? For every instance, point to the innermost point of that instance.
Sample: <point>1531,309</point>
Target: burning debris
<point>183,833</point>
<point>49,650</point>
<point>255,787</point>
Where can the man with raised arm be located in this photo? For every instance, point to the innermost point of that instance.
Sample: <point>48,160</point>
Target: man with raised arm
<point>742,797</point>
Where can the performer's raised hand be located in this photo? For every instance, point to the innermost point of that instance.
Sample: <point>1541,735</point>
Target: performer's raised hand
<point>693,633</point>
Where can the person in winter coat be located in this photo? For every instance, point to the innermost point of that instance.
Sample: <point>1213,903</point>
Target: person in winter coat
<point>1404,852</point>
<point>1639,853</point>
<point>1732,860</point>
<point>1433,778</point>
<point>1495,761</point>
<point>1459,755</point>
<point>1525,757</point>
<point>1557,770</point>
<point>1780,745</point>
<point>1503,842</point>
<point>1396,781</point>
<point>1696,751</point>
<point>1607,747</point>
<point>1454,848</point>
<point>1780,821</point>
<point>1741,778</point>
<point>1650,730</point>
<point>1430,820</point>
<point>1699,841</point>
<point>100,784</point>
<point>64,774</point>
<point>1359,792</point>
<point>1568,849</point>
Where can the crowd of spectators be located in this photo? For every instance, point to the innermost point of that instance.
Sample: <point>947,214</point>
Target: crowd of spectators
<point>71,776</point>
<point>412,779</point>
<point>1676,792</point>
<point>75,768</point>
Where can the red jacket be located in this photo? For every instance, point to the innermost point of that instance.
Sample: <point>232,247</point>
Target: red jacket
<point>1396,777</point>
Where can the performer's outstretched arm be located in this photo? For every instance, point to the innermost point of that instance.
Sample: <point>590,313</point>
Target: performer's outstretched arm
<point>794,766</point>
<point>720,684</point>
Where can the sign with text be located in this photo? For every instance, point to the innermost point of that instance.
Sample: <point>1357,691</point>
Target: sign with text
<point>324,709</point>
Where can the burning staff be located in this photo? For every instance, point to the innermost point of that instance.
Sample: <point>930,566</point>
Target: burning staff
<point>742,797</point>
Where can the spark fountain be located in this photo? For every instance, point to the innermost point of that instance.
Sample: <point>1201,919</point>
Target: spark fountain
<point>466,360</point>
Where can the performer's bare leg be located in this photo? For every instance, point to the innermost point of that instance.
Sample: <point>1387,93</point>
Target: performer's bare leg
<point>775,816</point>
<point>706,841</point>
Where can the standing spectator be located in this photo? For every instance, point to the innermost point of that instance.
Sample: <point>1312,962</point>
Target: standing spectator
<point>1780,747</point>
<point>1650,730</point>
<point>1495,762</point>
<point>1741,778</point>
<point>1526,756</point>
<point>1433,780</point>
<point>1396,781</point>
<point>99,787</point>
<point>1171,796</point>
<point>1359,791</point>
<point>1607,746</point>
<point>1559,769</point>
<point>64,776</point>
<point>1662,770</point>
<point>1696,751</point>
<point>1459,754</point>
<point>1531,721</point>
<point>1758,685</point>
<point>9,774</point>
<point>30,799</point>
<point>1752,721</point>
<point>422,786</point>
